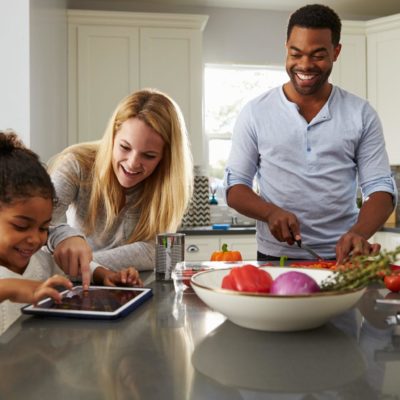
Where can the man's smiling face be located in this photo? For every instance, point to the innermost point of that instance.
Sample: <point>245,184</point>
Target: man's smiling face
<point>309,60</point>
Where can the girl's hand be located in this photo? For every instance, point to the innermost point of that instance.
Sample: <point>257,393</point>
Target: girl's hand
<point>29,291</point>
<point>46,289</point>
<point>125,277</point>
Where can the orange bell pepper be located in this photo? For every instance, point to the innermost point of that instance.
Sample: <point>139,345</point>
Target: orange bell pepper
<point>226,255</point>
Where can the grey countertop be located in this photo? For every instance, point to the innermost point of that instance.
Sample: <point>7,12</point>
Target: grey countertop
<point>173,347</point>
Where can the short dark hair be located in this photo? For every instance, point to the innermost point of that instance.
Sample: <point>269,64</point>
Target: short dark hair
<point>22,175</point>
<point>316,16</point>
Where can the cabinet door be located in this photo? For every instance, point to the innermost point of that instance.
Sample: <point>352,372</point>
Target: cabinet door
<point>170,60</point>
<point>349,71</point>
<point>200,248</point>
<point>388,240</point>
<point>383,81</point>
<point>106,60</point>
<point>246,244</point>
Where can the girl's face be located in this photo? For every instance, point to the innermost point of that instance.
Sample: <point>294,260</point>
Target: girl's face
<point>24,226</point>
<point>137,151</point>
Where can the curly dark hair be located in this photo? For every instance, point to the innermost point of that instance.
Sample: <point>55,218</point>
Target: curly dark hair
<point>316,16</point>
<point>22,175</point>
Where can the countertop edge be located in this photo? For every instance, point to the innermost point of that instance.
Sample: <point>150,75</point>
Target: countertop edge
<point>251,230</point>
<point>207,230</point>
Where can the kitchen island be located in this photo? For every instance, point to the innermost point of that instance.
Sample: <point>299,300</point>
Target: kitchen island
<point>174,347</point>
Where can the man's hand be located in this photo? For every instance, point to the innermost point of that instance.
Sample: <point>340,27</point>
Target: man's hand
<point>354,244</point>
<point>73,255</point>
<point>125,277</point>
<point>283,225</point>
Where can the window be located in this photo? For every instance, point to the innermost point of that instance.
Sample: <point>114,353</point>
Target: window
<point>226,90</point>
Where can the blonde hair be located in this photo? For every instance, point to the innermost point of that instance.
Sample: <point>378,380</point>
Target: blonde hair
<point>166,192</point>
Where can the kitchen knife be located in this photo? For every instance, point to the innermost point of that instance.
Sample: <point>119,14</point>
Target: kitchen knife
<point>308,249</point>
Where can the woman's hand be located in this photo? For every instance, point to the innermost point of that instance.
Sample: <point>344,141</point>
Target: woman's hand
<point>73,255</point>
<point>125,277</point>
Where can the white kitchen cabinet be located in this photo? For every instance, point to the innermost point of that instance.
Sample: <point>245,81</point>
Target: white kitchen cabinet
<point>349,71</point>
<point>368,67</point>
<point>383,42</point>
<point>112,54</point>
<point>200,248</point>
<point>388,240</point>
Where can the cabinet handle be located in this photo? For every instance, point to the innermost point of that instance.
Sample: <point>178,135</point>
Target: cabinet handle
<point>192,249</point>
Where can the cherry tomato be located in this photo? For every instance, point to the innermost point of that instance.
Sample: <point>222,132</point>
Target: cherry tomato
<point>186,274</point>
<point>392,282</point>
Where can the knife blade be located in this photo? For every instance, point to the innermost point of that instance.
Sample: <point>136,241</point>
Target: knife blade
<point>308,249</point>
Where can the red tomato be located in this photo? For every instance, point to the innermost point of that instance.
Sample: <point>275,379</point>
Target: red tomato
<point>248,278</point>
<point>392,282</point>
<point>227,282</point>
<point>186,274</point>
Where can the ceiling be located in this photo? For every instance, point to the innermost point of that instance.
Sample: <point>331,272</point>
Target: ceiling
<point>373,8</point>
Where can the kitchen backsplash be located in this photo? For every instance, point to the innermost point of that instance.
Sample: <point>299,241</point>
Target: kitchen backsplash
<point>198,213</point>
<point>201,213</point>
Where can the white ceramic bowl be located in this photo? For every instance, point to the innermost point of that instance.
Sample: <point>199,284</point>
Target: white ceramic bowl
<point>270,312</point>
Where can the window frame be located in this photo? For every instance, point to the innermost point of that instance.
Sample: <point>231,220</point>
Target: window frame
<point>227,135</point>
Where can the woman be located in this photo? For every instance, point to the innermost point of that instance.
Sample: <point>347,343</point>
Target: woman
<point>123,190</point>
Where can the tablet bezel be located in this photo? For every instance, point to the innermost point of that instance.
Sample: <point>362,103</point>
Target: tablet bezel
<point>121,311</point>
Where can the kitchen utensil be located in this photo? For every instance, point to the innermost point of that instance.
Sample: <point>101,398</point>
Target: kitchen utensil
<point>308,249</point>
<point>170,250</point>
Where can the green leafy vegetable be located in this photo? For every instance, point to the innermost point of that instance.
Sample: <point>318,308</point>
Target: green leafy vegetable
<point>361,271</point>
<point>282,261</point>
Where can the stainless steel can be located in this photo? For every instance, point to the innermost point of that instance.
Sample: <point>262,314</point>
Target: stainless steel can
<point>170,249</point>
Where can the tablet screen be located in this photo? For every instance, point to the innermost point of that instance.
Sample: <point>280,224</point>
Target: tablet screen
<point>97,302</point>
<point>94,299</point>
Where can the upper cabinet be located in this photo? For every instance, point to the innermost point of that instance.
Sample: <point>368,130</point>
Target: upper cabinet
<point>112,54</point>
<point>349,71</point>
<point>368,67</point>
<point>383,81</point>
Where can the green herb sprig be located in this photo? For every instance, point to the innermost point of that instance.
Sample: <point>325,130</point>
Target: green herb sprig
<point>361,271</point>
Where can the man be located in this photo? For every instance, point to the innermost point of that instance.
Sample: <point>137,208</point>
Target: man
<point>310,144</point>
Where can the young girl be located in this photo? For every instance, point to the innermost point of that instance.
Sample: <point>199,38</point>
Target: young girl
<point>26,204</point>
<point>123,190</point>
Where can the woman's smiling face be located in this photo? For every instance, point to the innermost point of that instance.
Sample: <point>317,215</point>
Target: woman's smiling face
<point>137,151</point>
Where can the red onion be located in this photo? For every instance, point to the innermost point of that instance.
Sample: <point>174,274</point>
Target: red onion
<point>294,282</point>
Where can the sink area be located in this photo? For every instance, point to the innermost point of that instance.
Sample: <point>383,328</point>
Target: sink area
<point>238,226</point>
<point>220,229</point>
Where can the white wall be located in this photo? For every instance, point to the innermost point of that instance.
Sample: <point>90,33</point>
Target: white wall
<point>48,76</point>
<point>14,67</point>
<point>33,72</point>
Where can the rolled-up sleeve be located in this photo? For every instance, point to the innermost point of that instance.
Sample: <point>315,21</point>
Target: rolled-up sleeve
<point>373,162</point>
<point>243,158</point>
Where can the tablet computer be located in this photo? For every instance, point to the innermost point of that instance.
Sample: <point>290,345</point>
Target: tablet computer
<point>99,302</point>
